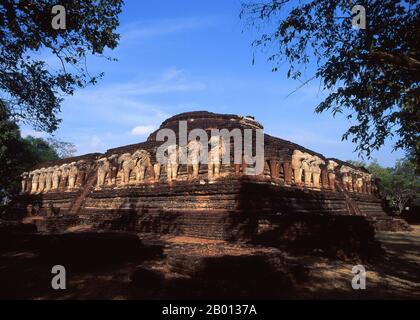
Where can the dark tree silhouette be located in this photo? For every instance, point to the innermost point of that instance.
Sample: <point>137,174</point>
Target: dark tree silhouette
<point>29,88</point>
<point>19,154</point>
<point>371,74</point>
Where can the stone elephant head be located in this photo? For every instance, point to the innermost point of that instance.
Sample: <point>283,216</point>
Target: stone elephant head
<point>315,170</point>
<point>127,162</point>
<point>332,165</point>
<point>142,157</point>
<point>299,163</point>
<point>346,177</point>
<point>24,181</point>
<point>315,163</point>
<point>73,172</point>
<point>142,163</point>
<point>104,169</point>
<point>297,158</point>
<point>175,153</point>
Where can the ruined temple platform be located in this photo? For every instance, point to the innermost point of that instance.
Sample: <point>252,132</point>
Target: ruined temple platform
<point>299,197</point>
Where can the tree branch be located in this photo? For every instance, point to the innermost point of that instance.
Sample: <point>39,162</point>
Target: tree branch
<point>396,59</point>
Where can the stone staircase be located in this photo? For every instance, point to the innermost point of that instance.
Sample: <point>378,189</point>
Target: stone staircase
<point>88,187</point>
<point>351,204</point>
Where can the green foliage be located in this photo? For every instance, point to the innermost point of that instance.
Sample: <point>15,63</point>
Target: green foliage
<point>400,185</point>
<point>39,150</point>
<point>11,154</point>
<point>19,154</point>
<point>357,163</point>
<point>62,148</point>
<point>29,88</point>
<point>373,75</point>
<point>403,187</point>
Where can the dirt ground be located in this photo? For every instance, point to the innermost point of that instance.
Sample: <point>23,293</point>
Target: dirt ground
<point>395,276</point>
<point>110,266</point>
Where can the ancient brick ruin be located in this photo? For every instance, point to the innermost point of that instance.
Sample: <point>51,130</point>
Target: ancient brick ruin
<point>300,195</point>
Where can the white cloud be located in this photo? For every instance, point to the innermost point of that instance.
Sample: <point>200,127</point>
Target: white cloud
<point>123,103</point>
<point>163,27</point>
<point>120,113</point>
<point>172,73</point>
<point>142,130</point>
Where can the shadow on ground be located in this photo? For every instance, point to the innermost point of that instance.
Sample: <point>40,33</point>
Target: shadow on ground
<point>123,266</point>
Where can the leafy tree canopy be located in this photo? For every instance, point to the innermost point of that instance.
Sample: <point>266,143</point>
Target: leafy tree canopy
<point>30,90</point>
<point>373,74</point>
<point>19,154</point>
<point>399,185</point>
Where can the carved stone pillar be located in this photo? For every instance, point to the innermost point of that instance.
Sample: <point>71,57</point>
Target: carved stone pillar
<point>364,189</point>
<point>369,187</point>
<point>354,183</point>
<point>151,173</point>
<point>287,172</point>
<point>324,178</point>
<point>244,166</point>
<point>274,168</point>
<point>80,178</point>
<point>156,171</point>
<point>63,183</point>
<point>331,180</point>
<point>28,185</point>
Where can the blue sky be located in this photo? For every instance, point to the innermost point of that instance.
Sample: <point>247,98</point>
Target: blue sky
<point>177,56</point>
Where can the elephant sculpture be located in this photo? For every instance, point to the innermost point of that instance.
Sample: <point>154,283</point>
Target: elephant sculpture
<point>41,181</point>
<point>315,170</point>
<point>156,170</point>
<point>73,172</point>
<point>172,163</point>
<point>306,168</point>
<point>368,182</point>
<point>332,165</point>
<point>142,163</point>
<point>113,169</point>
<point>33,176</point>
<point>104,170</point>
<point>218,149</point>
<point>297,167</point>
<point>359,183</point>
<point>107,169</point>
<point>24,181</point>
<point>64,176</point>
<point>82,167</point>
<point>346,177</point>
<point>195,149</point>
<point>126,166</point>
<point>56,177</point>
<point>48,179</point>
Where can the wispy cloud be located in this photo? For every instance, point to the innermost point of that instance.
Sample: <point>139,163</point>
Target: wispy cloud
<point>142,130</point>
<point>163,27</point>
<point>170,81</point>
<point>126,102</point>
<point>112,115</point>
